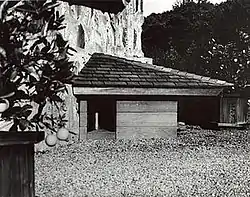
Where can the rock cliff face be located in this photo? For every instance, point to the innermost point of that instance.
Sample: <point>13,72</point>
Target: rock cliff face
<point>90,30</point>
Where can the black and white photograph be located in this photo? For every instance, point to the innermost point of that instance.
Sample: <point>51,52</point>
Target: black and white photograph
<point>125,98</point>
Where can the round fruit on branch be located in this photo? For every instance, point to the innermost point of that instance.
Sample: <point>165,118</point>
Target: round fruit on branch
<point>62,134</point>
<point>4,105</point>
<point>51,140</point>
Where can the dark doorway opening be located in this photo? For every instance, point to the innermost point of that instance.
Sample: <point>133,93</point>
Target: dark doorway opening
<point>101,114</point>
<point>202,111</point>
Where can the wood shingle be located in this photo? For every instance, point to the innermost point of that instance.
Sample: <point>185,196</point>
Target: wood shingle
<point>109,71</point>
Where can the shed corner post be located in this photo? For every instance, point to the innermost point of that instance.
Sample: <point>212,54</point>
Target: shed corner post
<point>83,108</point>
<point>222,109</point>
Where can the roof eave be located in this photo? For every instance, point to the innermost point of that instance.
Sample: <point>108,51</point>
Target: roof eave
<point>115,91</point>
<point>111,6</point>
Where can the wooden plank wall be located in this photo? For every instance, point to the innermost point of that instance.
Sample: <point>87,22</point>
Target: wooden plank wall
<point>17,171</point>
<point>224,110</point>
<point>83,120</point>
<point>146,119</point>
<point>240,110</point>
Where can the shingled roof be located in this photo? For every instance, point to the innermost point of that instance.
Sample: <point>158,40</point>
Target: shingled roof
<point>110,71</point>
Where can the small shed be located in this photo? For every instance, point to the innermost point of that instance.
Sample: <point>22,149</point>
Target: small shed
<point>129,99</point>
<point>234,109</point>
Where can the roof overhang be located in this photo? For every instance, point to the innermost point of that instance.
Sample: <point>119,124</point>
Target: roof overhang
<point>111,6</point>
<point>83,91</point>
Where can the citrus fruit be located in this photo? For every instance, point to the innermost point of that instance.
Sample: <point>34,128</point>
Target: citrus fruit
<point>62,134</point>
<point>4,105</point>
<point>51,140</point>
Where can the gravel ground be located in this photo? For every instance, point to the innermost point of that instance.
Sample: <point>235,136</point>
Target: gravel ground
<point>198,163</point>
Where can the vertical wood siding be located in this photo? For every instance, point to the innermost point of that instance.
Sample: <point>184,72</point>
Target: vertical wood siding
<point>146,119</point>
<point>233,110</point>
<point>17,171</point>
<point>83,120</point>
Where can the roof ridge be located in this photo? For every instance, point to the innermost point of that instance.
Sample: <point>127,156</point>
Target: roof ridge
<point>165,69</point>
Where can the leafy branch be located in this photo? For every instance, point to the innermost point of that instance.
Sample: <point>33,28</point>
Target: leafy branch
<point>34,62</point>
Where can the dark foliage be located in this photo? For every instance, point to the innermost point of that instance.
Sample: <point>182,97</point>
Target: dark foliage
<point>34,63</point>
<point>183,38</point>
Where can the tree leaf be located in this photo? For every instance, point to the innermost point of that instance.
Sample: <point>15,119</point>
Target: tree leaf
<point>49,126</point>
<point>26,113</point>
<point>26,107</point>
<point>12,112</point>
<point>26,8</point>
<point>3,53</point>
<point>3,9</point>
<point>56,98</point>
<point>49,6</point>
<point>26,110</point>
<point>60,41</point>
<point>13,128</point>
<point>20,94</point>
<point>72,49</point>
<point>23,124</point>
